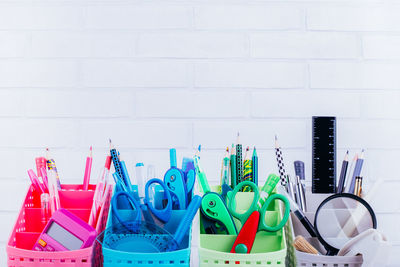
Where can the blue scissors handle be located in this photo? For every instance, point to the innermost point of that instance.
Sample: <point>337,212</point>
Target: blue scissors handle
<point>134,203</point>
<point>174,180</point>
<point>262,225</point>
<point>243,216</point>
<point>162,214</point>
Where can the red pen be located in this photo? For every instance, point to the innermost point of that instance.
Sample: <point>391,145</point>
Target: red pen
<point>88,170</point>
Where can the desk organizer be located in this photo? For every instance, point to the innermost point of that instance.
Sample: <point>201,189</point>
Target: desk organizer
<point>179,257</point>
<point>28,227</point>
<point>269,248</point>
<point>310,260</point>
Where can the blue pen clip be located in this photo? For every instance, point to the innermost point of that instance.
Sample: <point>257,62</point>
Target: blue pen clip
<point>174,179</point>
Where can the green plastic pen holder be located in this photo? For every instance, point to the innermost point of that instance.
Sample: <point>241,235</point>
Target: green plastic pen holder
<point>269,248</point>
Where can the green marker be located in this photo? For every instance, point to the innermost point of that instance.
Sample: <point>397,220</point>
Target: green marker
<point>267,189</point>
<point>205,187</point>
<point>233,167</point>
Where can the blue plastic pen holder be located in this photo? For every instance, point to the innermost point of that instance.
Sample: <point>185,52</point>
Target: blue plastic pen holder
<point>179,257</point>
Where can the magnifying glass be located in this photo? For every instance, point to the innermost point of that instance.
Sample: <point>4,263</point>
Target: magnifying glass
<point>340,218</point>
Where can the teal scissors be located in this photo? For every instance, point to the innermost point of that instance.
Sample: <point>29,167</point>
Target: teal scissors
<point>174,179</point>
<point>254,218</point>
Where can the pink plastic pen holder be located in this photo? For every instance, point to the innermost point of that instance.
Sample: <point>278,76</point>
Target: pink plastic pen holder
<point>28,227</point>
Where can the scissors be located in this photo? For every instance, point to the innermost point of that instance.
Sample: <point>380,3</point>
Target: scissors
<point>174,179</point>
<point>213,207</point>
<point>253,219</point>
<point>162,214</point>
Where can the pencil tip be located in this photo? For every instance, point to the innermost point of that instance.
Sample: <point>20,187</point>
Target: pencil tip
<point>347,152</point>
<point>276,137</point>
<point>199,148</point>
<point>91,148</point>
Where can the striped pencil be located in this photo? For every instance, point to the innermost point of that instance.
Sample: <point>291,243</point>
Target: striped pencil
<point>279,159</point>
<point>247,169</point>
<point>239,160</point>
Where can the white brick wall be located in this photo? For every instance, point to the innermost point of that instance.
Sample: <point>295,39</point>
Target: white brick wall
<point>156,74</point>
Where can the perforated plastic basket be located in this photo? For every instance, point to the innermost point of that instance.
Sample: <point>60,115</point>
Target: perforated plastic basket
<point>269,249</point>
<point>179,257</point>
<point>28,227</point>
<point>310,260</point>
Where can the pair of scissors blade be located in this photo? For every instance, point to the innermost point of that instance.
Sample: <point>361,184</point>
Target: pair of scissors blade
<point>286,204</point>
<point>214,208</point>
<point>242,216</point>
<point>245,239</point>
<point>162,214</point>
<point>134,204</point>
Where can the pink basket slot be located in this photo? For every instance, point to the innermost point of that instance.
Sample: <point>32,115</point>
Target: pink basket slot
<point>25,234</point>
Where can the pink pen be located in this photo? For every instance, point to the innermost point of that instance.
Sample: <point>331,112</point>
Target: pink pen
<point>88,170</point>
<point>101,189</point>
<point>40,163</point>
<point>44,178</point>
<point>35,181</point>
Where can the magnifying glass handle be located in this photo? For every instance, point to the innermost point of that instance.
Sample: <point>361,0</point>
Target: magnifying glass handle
<point>306,223</point>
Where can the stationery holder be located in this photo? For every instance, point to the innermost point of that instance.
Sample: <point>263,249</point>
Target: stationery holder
<point>269,248</point>
<point>312,260</point>
<point>28,228</point>
<point>179,257</point>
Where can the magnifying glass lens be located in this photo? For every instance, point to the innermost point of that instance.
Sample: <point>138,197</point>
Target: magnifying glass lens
<point>342,217</point>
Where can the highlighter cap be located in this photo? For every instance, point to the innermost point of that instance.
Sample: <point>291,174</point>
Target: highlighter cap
<point>271,183</point>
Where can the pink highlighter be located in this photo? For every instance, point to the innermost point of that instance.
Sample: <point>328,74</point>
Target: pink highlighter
<point>65,231</point>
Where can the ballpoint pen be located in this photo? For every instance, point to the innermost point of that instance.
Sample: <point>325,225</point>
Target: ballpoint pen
<point>298,212</point>
<point>88,169</point>
<point>51,165</point>
<point>100,191</point>
<point>53,190</point>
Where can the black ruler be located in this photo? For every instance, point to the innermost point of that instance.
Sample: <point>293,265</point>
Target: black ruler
<point>324,154</point>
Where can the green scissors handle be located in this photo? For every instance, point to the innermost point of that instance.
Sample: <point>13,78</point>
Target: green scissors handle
<point>253,207</point>
<point>262,225</point>
<point>213,207</point>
